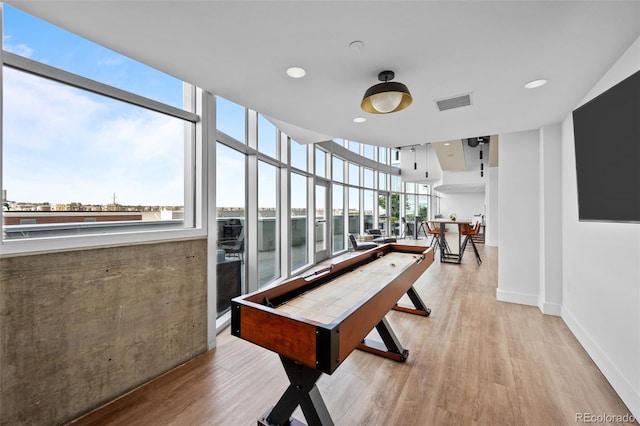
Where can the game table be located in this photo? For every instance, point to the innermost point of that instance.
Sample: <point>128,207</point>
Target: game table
<point>314,322</point>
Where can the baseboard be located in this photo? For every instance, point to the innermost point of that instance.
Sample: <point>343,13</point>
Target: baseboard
<point>554,309</point>
<point>624,389</point>
<point>515,297</point>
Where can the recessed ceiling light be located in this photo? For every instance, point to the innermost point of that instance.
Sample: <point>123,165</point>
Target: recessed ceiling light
<point>447,144</point>
<point>356,45</point>
<point>359,120</point>
<point>535,83</point>
<point>296,72</point>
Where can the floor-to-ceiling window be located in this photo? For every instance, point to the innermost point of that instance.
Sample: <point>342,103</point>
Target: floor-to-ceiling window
<point>354,174</point>
<point>231,119</point>
<point>231,222</point>
<point>354,195</point>
<point>368,197</point>
<point>396,212</point>
<point>338,211</point>
<point>383,203</point>
<point>358,191</point>
<point>410,201</point>
<point>383,155</point>
<point>298,156</point>
<point>368,151</point>
<point>383,200</point>
<point>367,210</point>
<point>338,217</point>
<point>337,169</point>
<point>354,211</point>
<point>267,137</point>
<point>423,202</point>
<point>268,240</point>
<point>298,218</point>
<point>321,163</point>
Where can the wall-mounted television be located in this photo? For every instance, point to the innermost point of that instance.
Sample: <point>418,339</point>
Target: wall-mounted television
<point>607,144</point>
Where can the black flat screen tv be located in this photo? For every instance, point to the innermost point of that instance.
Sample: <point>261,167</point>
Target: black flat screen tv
<point>607,144</point>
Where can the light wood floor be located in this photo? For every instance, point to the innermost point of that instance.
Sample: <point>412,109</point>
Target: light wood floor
<point>474,361</point>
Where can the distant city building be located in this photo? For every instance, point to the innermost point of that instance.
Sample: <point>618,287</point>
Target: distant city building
<point>171,214</point>
<point>47,217</point>
<point>17,213</point>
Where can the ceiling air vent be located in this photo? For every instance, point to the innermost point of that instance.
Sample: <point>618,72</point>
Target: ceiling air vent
<point>451,103</point>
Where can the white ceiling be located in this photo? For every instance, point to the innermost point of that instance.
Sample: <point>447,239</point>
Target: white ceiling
<point>439,49</point>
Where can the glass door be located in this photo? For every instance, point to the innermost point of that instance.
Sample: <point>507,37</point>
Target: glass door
<point>322,227</point>
<point>383,217</point>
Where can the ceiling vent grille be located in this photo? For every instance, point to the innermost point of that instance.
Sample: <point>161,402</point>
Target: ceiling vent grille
<point>451,103</point>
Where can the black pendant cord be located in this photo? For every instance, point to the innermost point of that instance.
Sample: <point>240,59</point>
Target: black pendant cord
<point>426,163</point>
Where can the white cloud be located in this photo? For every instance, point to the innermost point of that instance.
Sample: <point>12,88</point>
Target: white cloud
<point>19,49</point>
<point>62,145</point>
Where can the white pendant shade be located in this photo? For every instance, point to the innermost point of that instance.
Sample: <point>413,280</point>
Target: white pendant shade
<point>386,101</point>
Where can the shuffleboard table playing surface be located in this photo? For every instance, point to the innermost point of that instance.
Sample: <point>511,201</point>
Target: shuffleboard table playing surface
<point>326,303</point>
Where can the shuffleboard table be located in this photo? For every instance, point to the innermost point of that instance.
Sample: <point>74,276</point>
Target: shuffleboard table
<point>314,322</point>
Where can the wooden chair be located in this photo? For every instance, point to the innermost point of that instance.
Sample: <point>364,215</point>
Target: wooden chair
<point>469,233</point>
<point>435,235</point>
<point>478,219</point>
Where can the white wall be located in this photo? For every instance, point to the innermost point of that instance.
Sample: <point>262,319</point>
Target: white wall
<point>518,203</point>
<point>601,269</point>
<point>464,205</point>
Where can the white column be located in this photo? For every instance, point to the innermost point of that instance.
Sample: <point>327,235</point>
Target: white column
<point>205,179</point>
<point>251,222</point>
<point>550,296</point>
<point>518,247</point>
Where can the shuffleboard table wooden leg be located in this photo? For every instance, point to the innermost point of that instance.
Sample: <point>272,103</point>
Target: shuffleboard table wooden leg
<point>302,391</point>
<point>420,307</point>
<point>390,346</point>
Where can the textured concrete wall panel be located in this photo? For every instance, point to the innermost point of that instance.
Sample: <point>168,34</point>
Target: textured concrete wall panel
<point>80,328</point>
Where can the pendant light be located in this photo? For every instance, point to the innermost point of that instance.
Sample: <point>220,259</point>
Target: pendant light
<point>386,97</point>
<point>415,162</point>
<point>481,162</point>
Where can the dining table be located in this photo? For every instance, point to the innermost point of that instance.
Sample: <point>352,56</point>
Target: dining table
<point>446,255</point>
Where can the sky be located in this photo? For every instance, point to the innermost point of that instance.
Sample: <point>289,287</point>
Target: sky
<point>63,145</point>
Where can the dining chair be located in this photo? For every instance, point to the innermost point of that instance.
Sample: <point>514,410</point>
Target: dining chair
<point>469,233</point>
<point>435,235</point>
